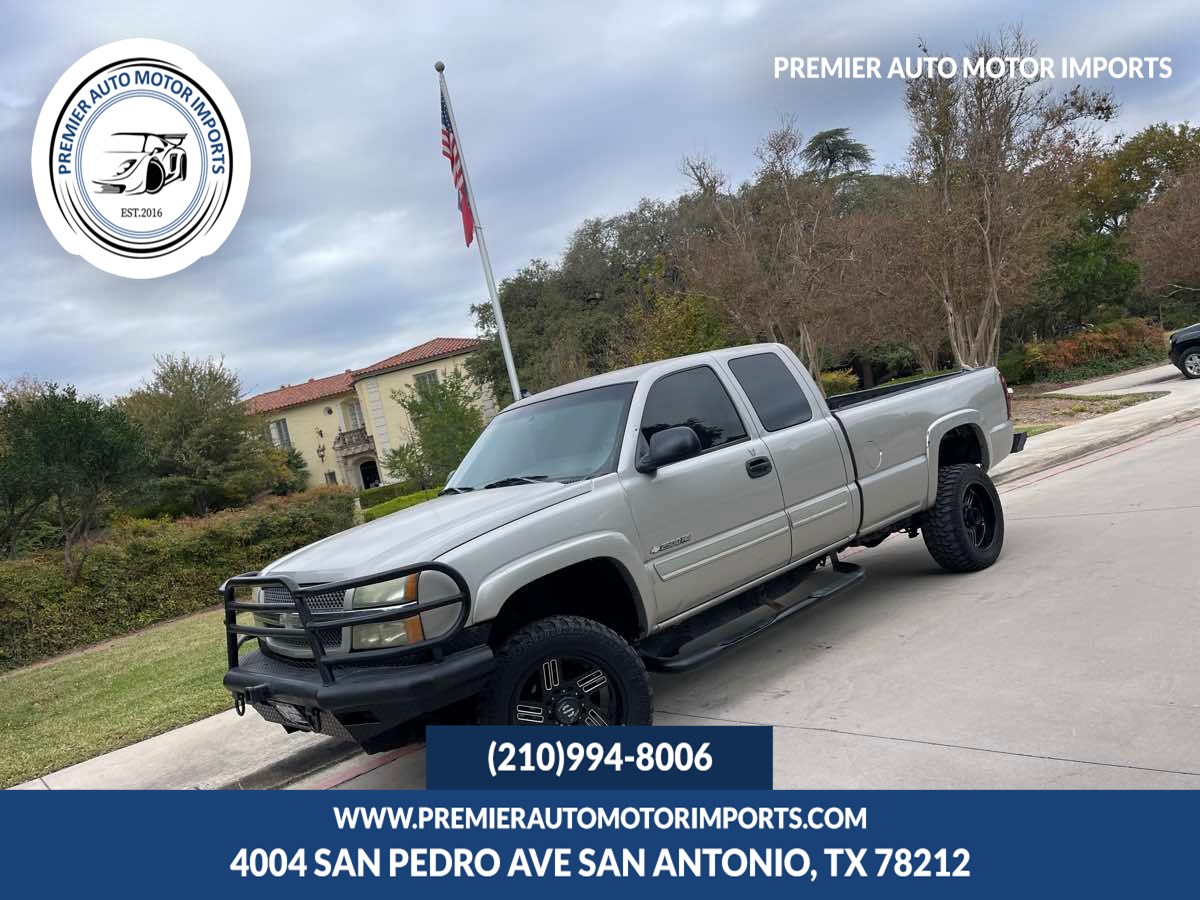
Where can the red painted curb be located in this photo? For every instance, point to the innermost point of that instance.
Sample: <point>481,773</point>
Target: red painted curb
<point>367,764</point>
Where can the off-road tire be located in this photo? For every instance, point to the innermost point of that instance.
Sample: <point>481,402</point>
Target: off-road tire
<point>567,636</point>
<point>946,533</point>
<point>1186,358</point>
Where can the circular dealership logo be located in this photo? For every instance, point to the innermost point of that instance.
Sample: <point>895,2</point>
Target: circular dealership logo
<point>140,159</point>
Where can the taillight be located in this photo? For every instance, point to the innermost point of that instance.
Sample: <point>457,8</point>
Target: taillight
<point>1007,394</point>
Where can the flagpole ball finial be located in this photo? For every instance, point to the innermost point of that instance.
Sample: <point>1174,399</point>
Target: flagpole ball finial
<point>440,66</point>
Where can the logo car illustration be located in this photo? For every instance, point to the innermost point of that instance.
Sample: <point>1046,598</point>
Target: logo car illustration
<point>151,161</point>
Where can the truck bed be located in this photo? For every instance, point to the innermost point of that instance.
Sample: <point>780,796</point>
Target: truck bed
<point>888,431</point>
<point>841,401</point>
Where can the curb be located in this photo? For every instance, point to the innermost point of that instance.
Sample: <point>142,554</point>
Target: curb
<point>290,769</point>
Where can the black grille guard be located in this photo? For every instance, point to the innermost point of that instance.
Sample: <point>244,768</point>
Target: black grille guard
<point>237,634</point>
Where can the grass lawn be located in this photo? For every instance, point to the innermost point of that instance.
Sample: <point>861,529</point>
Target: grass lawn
<point>78,706</point>
<point>1035,412</point>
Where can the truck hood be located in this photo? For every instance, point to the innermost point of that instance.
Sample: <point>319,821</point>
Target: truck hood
<point>420,533</point>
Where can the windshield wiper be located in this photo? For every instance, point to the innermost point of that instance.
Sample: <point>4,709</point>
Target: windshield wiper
<point>516,479</point>
<point>455,490</point>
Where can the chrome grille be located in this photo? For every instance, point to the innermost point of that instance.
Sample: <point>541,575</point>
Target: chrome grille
<point>316,602</point>
<point>330,638</point>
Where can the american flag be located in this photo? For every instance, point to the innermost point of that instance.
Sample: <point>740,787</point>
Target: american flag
<point>450,151</point>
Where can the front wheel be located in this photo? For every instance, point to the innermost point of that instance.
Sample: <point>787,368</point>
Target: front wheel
<point>567,670</point>
<point>1189,363</point>
<point>964,530</point>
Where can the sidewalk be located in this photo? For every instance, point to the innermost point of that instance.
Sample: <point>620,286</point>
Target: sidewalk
<point>225,751</point>
<point>222,751</point>
<point>1062,444</point>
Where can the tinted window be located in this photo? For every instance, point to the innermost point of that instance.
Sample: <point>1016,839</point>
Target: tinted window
<point>572,436</point>
<point>773,390</point>
<point>697,398</point>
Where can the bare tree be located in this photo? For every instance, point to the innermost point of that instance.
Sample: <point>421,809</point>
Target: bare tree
<point>782,260</point>
<point>1165,235</point>
<point>990,159</point>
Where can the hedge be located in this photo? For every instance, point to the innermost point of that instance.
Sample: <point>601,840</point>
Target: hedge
<point>399,503</point>
<point>376,495</point>
<point>147,571</point>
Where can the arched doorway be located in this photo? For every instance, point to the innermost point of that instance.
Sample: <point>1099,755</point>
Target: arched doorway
<point>369,472</point>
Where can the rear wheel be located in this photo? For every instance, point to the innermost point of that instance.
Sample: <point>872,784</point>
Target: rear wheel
<point>964,531</point>
<point>1189,363</point>
<point>567,670</point>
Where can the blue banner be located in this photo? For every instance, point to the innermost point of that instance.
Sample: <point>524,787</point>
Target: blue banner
<point>522,844</point>
<point>664,757</point>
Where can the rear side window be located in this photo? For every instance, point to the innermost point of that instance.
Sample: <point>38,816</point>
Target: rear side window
<point>697,398</point>
<point>773,390</point>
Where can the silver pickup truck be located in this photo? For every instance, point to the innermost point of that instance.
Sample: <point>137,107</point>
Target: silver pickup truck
<point>647,519</point>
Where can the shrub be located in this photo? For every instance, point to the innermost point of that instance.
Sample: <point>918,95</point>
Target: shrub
<point>1012,366</point>
<point>838,381</point>
<point>376,495</point>
<point>1112,347</point>
<point>146,571</point>
<point>398,503</point>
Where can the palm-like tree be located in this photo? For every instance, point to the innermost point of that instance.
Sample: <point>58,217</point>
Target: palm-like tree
<point>835,152</point>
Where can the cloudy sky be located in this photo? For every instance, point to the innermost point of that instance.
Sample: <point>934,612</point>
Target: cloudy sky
<point>350,249</point>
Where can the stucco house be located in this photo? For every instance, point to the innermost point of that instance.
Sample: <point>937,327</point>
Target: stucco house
<point>345,424</point>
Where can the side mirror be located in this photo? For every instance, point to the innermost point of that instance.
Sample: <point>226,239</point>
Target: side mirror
<point>668,446</point>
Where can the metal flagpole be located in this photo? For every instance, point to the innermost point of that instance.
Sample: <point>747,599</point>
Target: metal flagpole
<point>483,252</point>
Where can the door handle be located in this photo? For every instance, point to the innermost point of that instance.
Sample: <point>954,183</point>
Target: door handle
<point>758,467</point>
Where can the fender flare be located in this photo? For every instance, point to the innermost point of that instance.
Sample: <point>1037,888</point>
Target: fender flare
<point>496,589</point>
<point>938,429</point>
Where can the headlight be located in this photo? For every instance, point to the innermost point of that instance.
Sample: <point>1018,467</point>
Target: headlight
<point>386,593</point>
<point>398,593</point>
<point>394,593</point>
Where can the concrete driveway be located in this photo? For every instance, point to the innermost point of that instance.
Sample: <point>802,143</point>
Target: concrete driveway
<point>1074,662</point>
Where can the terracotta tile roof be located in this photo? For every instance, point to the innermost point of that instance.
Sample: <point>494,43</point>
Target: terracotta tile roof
<point>434,349</point>
<point>306,392</point>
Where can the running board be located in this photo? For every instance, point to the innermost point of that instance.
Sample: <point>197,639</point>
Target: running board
<point>707,635</point>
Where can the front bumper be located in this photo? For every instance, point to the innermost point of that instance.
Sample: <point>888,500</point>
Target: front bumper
<point>361,695</point>
<point>366,703</point>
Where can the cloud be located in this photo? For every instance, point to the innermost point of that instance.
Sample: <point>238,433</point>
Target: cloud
<point>350,248</point>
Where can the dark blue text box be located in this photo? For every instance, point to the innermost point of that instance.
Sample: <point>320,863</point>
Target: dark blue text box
<point>638,757</point>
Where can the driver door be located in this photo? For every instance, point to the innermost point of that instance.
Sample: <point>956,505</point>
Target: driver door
<point>709,523</point>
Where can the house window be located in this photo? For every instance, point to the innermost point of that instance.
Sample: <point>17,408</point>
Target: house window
<point>279,434</point>
<point>331,477</point>
<point>353,413</point>
<point>428,379</point>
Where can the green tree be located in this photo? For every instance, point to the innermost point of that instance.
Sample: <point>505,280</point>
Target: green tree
<point>206,451</point>
<point>673,324</point>
<point>445,420</point>
<point>296,474</point>
<point>1116,183</point>
<point>834,152</point>
<point>91,451</point>
<point>1087,274</point>
<point>24,478</point>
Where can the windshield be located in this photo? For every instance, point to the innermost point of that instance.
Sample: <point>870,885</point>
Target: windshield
<point>569,437</point>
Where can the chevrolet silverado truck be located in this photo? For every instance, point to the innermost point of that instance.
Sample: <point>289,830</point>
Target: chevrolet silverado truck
<point>646,519</point>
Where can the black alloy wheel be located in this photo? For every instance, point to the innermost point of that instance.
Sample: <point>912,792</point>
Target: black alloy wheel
<point>567,690</point>
<point>567,670</point>
<point>979,517</point>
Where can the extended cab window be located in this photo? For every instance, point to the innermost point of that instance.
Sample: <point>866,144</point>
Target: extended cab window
<point>773,390</point>
<point>697,398</point>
